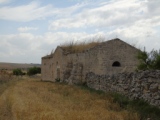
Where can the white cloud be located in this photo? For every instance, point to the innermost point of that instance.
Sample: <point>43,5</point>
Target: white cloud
<point>34,11</point>
<point>105,15</point>
<point>153,7</point>
<point>28,47</point>
<point>109,14</point>
<point>20,47</point>
<point>24,13</point>
<point>4,1</point>
<point>26,29</point>
<point>134,21</point>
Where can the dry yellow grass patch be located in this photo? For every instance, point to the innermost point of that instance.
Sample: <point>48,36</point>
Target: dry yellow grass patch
<point>35,100</point>
<point>77,47</point>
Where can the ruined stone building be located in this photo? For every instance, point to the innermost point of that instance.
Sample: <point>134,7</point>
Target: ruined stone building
<point>110,57</point>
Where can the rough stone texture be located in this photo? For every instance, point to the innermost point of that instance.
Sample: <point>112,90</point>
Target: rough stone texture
<point>51,65</point>
<point>140,85</point>
<point>94,67</point>
<point>73,68</point>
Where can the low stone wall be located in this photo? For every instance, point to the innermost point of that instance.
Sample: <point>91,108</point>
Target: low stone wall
<point>139,85</point>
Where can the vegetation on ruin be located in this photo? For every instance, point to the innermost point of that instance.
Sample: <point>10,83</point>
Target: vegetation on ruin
<point>77,47</point>
<point>149,60</point>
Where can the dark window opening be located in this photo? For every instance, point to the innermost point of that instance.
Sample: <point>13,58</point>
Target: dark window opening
<point>116,64</point>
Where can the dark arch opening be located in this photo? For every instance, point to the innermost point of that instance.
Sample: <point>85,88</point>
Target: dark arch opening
<point>116,64</point>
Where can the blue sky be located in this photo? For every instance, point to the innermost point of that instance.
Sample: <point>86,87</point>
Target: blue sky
<point>30,29</point>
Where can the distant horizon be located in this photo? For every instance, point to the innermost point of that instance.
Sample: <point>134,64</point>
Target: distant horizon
<point>20,63</point>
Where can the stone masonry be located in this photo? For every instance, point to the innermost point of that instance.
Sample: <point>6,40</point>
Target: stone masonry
<point>108,66</point>
<point>110,57</point>
<point>137,85</point>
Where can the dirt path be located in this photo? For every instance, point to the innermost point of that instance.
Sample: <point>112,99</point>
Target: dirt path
<point>30,99</point>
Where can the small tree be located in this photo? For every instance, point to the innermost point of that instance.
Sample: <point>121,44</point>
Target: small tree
<point>148,60</point>
<point>155,57</point>
<point>34,70</point>
<point>17,72</point>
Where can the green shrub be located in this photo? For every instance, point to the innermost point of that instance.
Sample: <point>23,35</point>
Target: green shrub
<point>91,90</point>
<point>17,72</point>
<point>57,79</point>
<point>34,70</point>
<point>149,60</point>
<point>143,108</point>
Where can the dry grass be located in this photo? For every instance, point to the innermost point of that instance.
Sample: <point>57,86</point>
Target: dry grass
<point>31,99</point>
<point>5,75</point>
<point>76,47</point>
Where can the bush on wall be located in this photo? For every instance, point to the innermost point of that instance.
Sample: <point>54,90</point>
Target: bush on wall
<point>149,60</point>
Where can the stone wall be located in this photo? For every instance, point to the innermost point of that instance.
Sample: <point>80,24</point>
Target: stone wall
<point>73,67</point>
<point>53,65</point>
<point>46,68</point>
<point>99,60</point>
<point>138,85</point>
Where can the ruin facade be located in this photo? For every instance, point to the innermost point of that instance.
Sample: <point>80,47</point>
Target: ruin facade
<point>110,57</point>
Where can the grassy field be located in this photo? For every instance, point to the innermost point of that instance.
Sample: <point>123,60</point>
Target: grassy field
<point>11,66</point>
<point>31,99</point>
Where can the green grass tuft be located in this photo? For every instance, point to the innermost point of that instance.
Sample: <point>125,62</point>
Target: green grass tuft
<point>143,108</point>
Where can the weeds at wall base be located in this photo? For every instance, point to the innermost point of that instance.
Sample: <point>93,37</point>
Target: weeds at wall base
<point>57,79</point>
<point>85,87</point>
<point>144,109</point>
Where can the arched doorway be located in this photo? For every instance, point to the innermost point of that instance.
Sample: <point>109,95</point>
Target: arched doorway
<point>116,64</point>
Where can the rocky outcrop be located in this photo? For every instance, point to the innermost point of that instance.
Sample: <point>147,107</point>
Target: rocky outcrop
<point>138,85</point>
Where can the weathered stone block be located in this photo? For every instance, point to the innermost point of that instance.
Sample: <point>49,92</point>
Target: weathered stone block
<point>153,88</point>
<point>126,87</point>
<point>157,97</point>
<point>146,86</point>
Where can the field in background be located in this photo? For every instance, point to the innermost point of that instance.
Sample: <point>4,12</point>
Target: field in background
<point>30,99</point>
<point>10,66</point>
